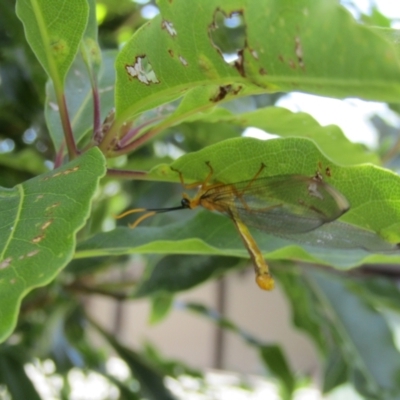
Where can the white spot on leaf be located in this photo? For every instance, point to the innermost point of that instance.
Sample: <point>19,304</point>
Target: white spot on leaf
<point>299,51</point>
<point>53,106</point>
<point>5,263</point>
<point>169,27</point>
<point>254,54</point>
<point>32,253</point>
<point>183,61</point>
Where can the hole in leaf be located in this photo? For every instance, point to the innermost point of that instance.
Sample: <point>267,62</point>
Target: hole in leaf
<point>142,70</point>
<point>228,34</point>
<point>169,27</point>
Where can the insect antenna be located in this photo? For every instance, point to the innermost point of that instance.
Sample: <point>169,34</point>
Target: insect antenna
<point>149,213</point>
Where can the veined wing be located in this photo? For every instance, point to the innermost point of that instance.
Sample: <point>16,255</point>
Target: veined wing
<point>283,204</point>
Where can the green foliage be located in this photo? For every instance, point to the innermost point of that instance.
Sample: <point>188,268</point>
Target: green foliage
<point>179,104</point>
<point>39,221</point>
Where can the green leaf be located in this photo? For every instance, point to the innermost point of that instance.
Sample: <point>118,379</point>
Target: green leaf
<point>13,375</point>
<point>373,194</point>
<point>364,334</point>
<point>308,315</point>
<point>125,393</point>
<point>280,121</point>
<point>176,273</point>
<point>27,160</point>
<point>379,292</point>
<point>305,311</point>
<point>336,371</point>
<point>160,307</point>
<point>78,93</point>
<point>151,381</point>
<point>274,358</point>
<point>307,46</point>
<point>54,31</point>
<point>90,48</point>
<point>39,220</point>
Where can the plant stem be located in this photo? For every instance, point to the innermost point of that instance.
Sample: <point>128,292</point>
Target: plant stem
<point>66,124</point>
<point>126,174</point>
<point>96,113</point>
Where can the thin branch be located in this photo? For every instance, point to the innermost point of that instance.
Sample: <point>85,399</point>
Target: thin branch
<point>96,114</point>
<point>66,124</point>
<point>59,156</point>
<point>140,141</point>
<point>126,174</point>
<point>134,132</point>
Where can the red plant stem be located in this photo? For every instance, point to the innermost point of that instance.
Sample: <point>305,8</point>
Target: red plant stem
<point>96,114</point>
<point>153,132</point>
<point>59,156</point>
<point>133,132</point>
<point>66,124</point>
<point>138,142</point>
<point>126,174</point>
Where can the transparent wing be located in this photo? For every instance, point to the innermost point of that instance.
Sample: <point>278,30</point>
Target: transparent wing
<point>284,204</point>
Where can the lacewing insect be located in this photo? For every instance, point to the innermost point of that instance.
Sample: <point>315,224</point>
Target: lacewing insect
<point>280,205</point>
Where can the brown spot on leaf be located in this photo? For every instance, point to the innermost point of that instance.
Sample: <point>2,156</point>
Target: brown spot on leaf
<point>171,52</point>
<point>223,91</point>
<point>46,224</point>
<point>5,263</point>
<point>281,59</point>
<point>328,172</point>
<point>39,197</point>
<point>38,238</point>
<point>142,70</point>
<point>59,48</point>
<point>292,64</point>
<point>222,28</point>
<point>66,172</point>
<point>298,48</point>
<point>239,63</point>
<point>263,71</point>
<point>54,205</point>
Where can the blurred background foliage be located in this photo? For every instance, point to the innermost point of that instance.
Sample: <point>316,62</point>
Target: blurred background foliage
<point>55,333</point>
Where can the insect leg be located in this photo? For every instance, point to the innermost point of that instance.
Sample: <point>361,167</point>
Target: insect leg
<point>263,276</point>
<point>239,195</point>
<point>252,180</point>
<point>203,184</point>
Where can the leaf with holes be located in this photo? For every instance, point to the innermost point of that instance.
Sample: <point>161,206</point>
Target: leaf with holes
<point>280,45</point>
<point>39,220</point>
